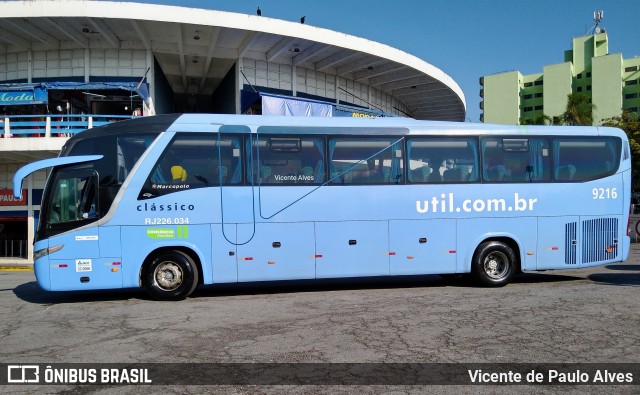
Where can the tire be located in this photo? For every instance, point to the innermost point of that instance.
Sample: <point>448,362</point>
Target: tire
<point>494,264</point>
<point>170,275</point>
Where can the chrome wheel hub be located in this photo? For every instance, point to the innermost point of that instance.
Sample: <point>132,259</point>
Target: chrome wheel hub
<point>168,276</point>
<point>496,265</point>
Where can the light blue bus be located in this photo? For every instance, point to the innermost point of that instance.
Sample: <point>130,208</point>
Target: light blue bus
<point>173,201</point>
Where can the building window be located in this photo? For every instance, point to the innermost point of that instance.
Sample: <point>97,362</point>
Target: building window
<point>588,74</point>
<point>632,68</point>
<point>630,82</point>
<point>528,84</point>
<point>529,96</point>
<point>539,94</point>
<point>588,87</point>
<point>527,109</point>
<point>538,82</point>
<point>579,89</point>
<point>538,108</point>
<point>631,96</point>
<point>579,76</point>
<point>633,109</point>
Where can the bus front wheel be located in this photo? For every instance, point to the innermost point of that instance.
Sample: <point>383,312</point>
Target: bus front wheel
<point>170,275</point>
<point>494,264</point>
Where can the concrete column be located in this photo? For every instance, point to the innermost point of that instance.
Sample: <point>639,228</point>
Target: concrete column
<point>238,76</point>
<point>87,64</point>
<point>151,75</point>
<point>294,80</point>
<point>29,66</point>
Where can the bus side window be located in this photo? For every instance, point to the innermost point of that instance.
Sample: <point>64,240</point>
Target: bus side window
<point>287,160</point>
<point>585,158</point>
<point>366,160</point>
<point>195,160</point>
<point>442,159</point>
<point>515,159</point>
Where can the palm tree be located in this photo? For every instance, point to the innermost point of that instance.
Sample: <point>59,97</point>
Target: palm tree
<point>579,110</point>
<point>539,120</point>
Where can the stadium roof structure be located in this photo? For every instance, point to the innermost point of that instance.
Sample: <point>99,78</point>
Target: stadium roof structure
<point>196,48</point>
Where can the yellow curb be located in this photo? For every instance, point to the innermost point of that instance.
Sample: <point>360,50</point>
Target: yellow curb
<point>15,269</point>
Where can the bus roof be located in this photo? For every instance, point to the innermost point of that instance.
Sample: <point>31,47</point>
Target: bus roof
<point>333,125</point>
<point>290,123</point>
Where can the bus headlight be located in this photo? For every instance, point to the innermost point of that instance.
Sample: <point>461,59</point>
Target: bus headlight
<point>46,251</point>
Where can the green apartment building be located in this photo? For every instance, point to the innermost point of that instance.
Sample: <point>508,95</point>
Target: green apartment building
<point>612,83</point>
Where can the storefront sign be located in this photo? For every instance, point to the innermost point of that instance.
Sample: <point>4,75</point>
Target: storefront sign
<point>16,97</point>
<point>31,95</point>
<point>7,198</point>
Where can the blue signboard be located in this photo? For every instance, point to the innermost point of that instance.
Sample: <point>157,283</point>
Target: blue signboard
<point>36,95</point>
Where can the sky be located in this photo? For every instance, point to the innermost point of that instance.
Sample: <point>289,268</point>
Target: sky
<point>466,39</point>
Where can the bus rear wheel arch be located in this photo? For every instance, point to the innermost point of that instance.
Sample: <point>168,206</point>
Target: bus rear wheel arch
<point>170,275</point>
<point>494,263</point>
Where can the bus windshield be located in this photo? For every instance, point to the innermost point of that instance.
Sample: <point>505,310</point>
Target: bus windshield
<point>82,193</point>
<point>73,196</point>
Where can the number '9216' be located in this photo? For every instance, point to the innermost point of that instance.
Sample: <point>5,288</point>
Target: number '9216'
<point>604,193</point>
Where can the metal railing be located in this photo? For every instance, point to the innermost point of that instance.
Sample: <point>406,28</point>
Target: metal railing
<point>47,125</point>
<point>13,249</point>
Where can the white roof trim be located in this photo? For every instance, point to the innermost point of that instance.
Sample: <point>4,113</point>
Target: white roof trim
<point>174,14</point>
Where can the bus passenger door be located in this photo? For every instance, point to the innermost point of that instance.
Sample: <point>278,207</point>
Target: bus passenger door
<point>234,218</point>
<point>422,246</point>
<point>352,249</point>
<point>558,240</point>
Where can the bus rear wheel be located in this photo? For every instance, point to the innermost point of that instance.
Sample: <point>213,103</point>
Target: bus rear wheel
<point>170,275</point>
<point>494,264</point>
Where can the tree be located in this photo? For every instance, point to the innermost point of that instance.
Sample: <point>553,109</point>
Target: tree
<point>630,123</point>
<point>579,110</point>
<point>539,120</point>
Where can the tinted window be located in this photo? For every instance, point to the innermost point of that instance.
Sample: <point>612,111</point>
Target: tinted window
<point>516,159</point>
<point>121,153</point>
<point>130,149</point>
<point>195,160</point>
<point>287,160</point>
<point>72,200</point>
<point>585,158</point>
<point>105,146</point>
<point>442,159</point>
<point>367,160</point>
